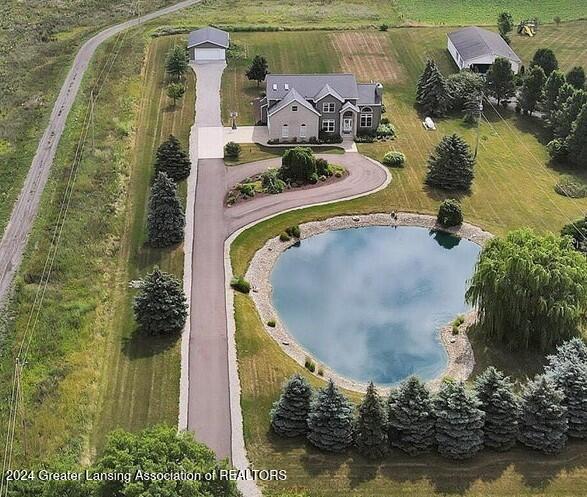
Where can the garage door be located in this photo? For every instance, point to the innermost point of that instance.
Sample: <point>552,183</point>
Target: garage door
<point>209,54</point>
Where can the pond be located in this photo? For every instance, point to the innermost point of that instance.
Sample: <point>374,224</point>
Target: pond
<point>369,302</point>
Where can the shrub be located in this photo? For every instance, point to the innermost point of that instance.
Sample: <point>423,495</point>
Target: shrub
<point>450,213</point>
<point>293,231</point>
<point>557,149</point>
<point>394,159</point>
<point>568,186</point>
<point>310,365</point>
<point>385,131</point>
<point>271,323</point>
<point>284,237</point>
<point>384,120</point>
<point>325,137</point>
<point>232,150</point>
<point>322,168</point>
<point>320,371</point>
<point>384,27</point>
<point>239,284</point>
<point>271,183</point>
<point>457,322</point>
<point>247,189</point>
<point>298,164</point>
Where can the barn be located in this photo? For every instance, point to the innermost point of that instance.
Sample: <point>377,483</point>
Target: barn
<point>208,45</point>
<point>476,48</point>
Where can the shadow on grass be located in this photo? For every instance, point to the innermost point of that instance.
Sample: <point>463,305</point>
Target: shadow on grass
<point>141,345</point>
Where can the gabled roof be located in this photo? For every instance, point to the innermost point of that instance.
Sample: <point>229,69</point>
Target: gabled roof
<point>325,91</point>
<point>292,96</point>
<point>349,106</point>
<point>309,85</point>
<point>368,94</point>
<point>208,35</point>
<point>473,42</point>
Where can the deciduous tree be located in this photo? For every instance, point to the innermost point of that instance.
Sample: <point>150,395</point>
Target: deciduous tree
<point>551,91</point>
<point>545,58</point>
<point>175,91</point>
<point>532,89</point>
<point>565,116</point>
<point>576,77</point>
<point>450,167</point>
<point>176,63</point>
<point>258,69</point>
<point>289,416</point>
<point>500,80</point>
<point>577,140</point>
<point>505,24</point>
<point>298,164</point>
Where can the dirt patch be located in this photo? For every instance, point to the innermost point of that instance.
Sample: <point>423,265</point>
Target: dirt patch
<point>367,55</point>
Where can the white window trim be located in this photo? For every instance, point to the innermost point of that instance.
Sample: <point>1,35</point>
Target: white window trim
<point>284,131</point>
<point>366,116</point>
<point>302,131</point>
<point>326,106</point>
<point>326,125</point>
<point>294,108</point>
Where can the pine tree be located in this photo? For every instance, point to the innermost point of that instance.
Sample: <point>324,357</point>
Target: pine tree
<point>330,422</point>
<point>165,220</point>
<point>501,408</point>
<point>459,422</point>
<point>500,80</point>
<point>160,306</point>
<point>172,159</point>
<point>472,108</point>
<point>551,91</point>
<point>370,428</point>
<point>258,69</point>
<point>577,141</point>
<point>290,413</point>
<point>574,350</point>
<point>532,89</point>
<point>450,167</point>
<point>411,418</point>
<point>432,93</point>
<point>543,421</point>
<point>176,63</point>
<point>568,113</point>
<point>576,77</point>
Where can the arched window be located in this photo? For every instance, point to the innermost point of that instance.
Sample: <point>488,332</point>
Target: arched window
<point>366,117</point>
<point>302,131</point>
<point>284,131</point>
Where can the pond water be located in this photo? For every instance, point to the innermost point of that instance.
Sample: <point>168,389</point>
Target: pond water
<point>369,302</point>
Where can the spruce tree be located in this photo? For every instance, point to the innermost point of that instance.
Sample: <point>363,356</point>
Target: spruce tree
<point>543,420</point>
<point>472,108</point>
<point>176,62</point>
<point>574,350</point>
<point>501,408</point>
<point>330,422</point>
<point>532,89</point>
<point>411,418</point>
<point>459,422</point>
<point>450,167</point>
<point>551,91</point>
<point>371,426</point>
<point>577,141</point>
<point>165,220</point>
<point>172,159</point>
<point>500,80</point>
<point>289,416</point>
<point>432,94</point>
<point>160,306</point>
<point>568,114</point>
<point>576,77</point>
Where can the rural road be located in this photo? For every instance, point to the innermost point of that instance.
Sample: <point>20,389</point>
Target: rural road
<point>15,236</point>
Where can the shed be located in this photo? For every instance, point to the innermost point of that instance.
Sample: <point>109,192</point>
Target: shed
<point>476,48</point>
<point>208,44</point>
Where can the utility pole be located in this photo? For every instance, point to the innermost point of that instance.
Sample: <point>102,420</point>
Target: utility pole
<point>480,111</point>
<point>93,121</point>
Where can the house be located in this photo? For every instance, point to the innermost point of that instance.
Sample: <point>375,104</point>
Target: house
<point>208,44</point>
<point>301,107</point>
<point>476,48</point>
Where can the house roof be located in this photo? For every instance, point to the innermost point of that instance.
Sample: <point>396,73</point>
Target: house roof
<point>349,106</point>
<point>208,35</point>
<point>310,85</point>
<point>473,42</point>
<point>292,96</point>
<point>325,91</point>
<point>368,94</point>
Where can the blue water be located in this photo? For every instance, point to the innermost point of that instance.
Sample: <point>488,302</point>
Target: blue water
<point>369,302</point>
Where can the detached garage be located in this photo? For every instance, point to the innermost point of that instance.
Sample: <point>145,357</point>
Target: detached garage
<point>208,45</point>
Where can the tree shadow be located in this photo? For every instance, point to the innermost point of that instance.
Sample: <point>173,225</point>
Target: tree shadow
<point>317,463</point>
<point>140,345</point>
<point>440,195</point>
<point>361,470</point>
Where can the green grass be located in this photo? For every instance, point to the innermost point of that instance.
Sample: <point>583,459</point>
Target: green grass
<point>251,152</point>
<point>513,187</point>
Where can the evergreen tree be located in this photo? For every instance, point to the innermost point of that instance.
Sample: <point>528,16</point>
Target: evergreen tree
<point>290,413</point>
<point>500,80</point>
<point>258,69</point>
<point>532,89</point>
<point>411,418</point>
<point>576,77</point>
<point>459,422</point>
<point>176,63</point>
<point>501,408</point>
<point>568,114</point>
<point>577,141</point>
<point>432,93</point>
<point>472,108</point>
<point>573,350</point>
<point>160,306</point>
<point>165,220</point>
<point>371,426</point>
<point>330,422</point>
<point>543,421</point>
<point>545,58</point>
<point>557,118</point>
<point>175,91</point>
<point>551,91</point>
<point>450,167</point>
<point>172,159</point>
<point>505,23</point>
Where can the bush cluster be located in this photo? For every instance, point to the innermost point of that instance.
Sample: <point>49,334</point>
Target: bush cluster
<point>232,150</point>
<point>239,284</point>
<point>458,422</point>
<point>449,213</point>
<point>394,159</point>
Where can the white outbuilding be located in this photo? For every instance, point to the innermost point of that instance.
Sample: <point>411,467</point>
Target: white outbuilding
<point>477,48</point>
<point>208,45</point>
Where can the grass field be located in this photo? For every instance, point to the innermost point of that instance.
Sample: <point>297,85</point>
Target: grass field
<point>513,187</point>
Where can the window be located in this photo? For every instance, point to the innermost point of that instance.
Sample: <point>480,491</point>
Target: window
<point>366,117</point>
<point>286,86</point>
<point>303,131</point>
<point>284,131</point>
<point>328,107</point>
<point>274,86</point>
<point>328,125</point>
<point>294,108</point>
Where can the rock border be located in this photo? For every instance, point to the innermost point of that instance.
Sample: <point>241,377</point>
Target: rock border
<point>461,360</point>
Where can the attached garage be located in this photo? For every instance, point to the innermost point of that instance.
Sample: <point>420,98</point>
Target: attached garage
<point>208,45</point>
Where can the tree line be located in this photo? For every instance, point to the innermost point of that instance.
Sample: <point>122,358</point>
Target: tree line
<point>457,421</point>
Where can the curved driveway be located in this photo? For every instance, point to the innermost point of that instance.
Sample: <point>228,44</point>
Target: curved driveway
<point>25,209</point>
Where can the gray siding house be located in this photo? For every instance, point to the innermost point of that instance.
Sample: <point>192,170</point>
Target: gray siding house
<point>299,107</point>
<point>208,45</point>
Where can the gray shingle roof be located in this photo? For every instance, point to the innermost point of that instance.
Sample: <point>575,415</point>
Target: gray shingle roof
<point>473,42</point>
<point>208,35</point>
<point>367,94</point>
<point>309,85</point>
<point>292,96</point>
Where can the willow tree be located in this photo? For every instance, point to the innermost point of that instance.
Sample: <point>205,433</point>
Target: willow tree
<point>530,290</point>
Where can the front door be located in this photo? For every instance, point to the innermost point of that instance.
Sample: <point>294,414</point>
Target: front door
<point>347,125</point>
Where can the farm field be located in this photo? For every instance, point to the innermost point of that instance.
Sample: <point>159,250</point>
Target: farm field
<point>513,187</point>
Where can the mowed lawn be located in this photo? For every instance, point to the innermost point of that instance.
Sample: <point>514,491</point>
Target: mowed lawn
<point>513,187</point>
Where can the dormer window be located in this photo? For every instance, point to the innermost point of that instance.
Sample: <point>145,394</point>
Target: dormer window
<point>294,108</point>
<point>274,86</point>
<point>286,86</point>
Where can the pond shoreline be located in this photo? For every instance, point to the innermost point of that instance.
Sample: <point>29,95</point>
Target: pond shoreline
<point>460,361</point>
